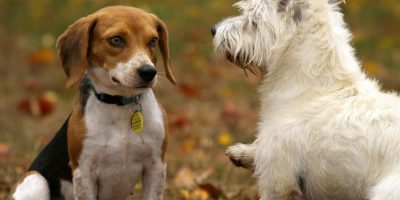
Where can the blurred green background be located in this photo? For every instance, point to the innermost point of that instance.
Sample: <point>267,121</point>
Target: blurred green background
<point>213,105</point>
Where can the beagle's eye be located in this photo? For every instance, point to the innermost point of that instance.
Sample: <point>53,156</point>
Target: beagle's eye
<point>153,42</point>
<point>116,41</point>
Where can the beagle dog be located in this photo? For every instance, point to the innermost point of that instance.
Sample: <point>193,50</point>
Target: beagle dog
<point>116,132</point>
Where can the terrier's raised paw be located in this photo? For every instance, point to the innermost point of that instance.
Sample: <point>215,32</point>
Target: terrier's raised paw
<point>241,155</point>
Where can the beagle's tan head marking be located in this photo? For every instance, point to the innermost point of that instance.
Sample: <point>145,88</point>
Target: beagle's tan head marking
<point>117,46</point>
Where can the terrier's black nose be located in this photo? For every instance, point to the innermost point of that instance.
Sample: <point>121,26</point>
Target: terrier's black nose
<point>213,30</point>
<point>147,73</point>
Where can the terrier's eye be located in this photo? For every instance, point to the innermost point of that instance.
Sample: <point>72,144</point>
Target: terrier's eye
<point>250,25</point>
<point>116,41</point>
<point>153,42</point>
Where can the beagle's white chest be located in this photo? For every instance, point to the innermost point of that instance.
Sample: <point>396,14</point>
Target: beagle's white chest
<point>114,154</point>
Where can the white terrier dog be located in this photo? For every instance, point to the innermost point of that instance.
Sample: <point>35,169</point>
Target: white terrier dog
<point>326,130</point>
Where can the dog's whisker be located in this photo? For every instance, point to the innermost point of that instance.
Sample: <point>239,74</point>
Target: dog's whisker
<point>157,85</point>
<point>245,71</point>
<point>162,76</point>
<point>251,69</point>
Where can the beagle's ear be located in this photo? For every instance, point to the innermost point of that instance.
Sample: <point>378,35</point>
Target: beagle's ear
<point>164,48</point>
<point>73,48</point>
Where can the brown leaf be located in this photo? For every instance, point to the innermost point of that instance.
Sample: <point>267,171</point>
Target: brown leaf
<point>188,146</point>
<point>189,90</point>
<point>199,194</point>
<point>185,193</point>
<point>212,190</point>
<point>180,122</point>
<point>43,56</point>
<point>201,177</point>
<point>46,102</point>
<point>46,107</point>
<point>40,106</point>
<point>23,105</point>
<point>4,150</point>
<point>184,178</point>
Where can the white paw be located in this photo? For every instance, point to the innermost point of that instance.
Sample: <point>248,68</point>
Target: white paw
<point>241,155</point>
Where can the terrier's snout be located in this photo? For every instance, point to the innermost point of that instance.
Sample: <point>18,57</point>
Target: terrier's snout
<point>147,73</point>
<point>213,30</point>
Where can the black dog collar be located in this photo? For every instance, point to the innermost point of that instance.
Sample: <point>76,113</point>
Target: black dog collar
<point>115,99</point>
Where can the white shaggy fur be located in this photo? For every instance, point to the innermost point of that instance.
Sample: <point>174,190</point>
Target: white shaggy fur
<point>326,130</point>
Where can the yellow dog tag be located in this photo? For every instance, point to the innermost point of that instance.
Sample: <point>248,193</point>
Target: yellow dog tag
<point>137,122</point>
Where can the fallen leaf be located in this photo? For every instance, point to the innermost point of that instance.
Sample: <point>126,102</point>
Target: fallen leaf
<point>4,150</point>
<point>184,178</point>
<point>196,194</point>
<point>138,186</point>
<point>189,90</point>
<point>185,193</point>
<point>45,106</point>
<point>42,56</point>
<point>180,122</point>
<point>224,139</point>
<point>211,190</point>
<point>201,177</point>
<point>40,106</point>
<point>50,96</point>
<point>24,105</point>
<point>188,145</point>
<point>199,194</point>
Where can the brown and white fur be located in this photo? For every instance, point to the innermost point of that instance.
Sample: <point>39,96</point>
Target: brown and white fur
<point>96,154</point>
<point>326,131</point>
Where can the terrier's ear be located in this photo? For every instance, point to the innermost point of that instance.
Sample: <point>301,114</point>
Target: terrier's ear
<point>73,49</point>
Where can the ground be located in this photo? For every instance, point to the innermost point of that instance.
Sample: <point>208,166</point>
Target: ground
<point>213,105</point>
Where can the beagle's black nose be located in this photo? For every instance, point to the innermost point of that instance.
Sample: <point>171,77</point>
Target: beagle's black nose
<point>147,73</point>
<point>213,30</point>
